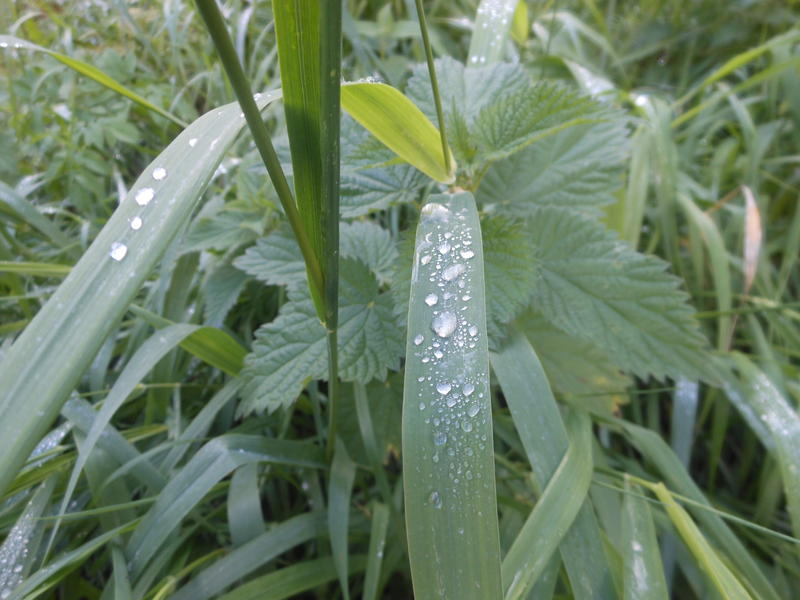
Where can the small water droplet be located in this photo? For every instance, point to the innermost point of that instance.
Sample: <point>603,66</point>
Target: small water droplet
<point>451,401</point>
<point>466,297</point>
<point>467,254</point>
<point>466,426</point>
<point>435,499</point>
<point>418,340</point>
<point>431,299</point>
<point>438,354</point>
<point>17,569</point>
<point>467,389</point>
<point>443,388</point>
<point>425,259</point>
<point>473,330</point>
<point>159,173</point>
<point>422,406</point>
<point>118,251</point>
<point>453,272</point>
<point>444,248</point>
<point>143,196</point>
<point>440,438</point>
<point>136,223</point>
<point>192,142</point>
<point>444,324</point>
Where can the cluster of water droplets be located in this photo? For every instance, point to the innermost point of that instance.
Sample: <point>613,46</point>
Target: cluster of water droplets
<point>15,550</point>
<point>451,394</point>
<point>494,18</point>
<point>142,197</point>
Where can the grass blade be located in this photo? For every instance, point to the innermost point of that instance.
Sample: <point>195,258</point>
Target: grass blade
<point>343,472</point>
<point>492,25</point>
<point>400,125</point>
<point>644,575</point>
<point>377,542</point>
<point>451,511</point>
<point>544,437</point>
<point>67,332</point>
<point>553,514</point>
<point>37,269</point>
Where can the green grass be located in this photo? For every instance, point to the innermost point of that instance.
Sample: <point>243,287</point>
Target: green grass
<point>244,384</point>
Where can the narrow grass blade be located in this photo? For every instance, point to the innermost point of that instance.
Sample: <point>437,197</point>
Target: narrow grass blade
<point>544,437</point>
<point>451,512</point>
<point>724,580</point>
<point>374,453</point>
<point>377,542</point>
<point>37,269</point>
<point>400,125</point>
<point>492,24</point>
<point>242,561</point>
<point>245,518</point>
<point>553,514</point>
<point>209,465</point>
<point>93,73</point>
<point>343,472</point>
<point>20,207</point>
<point>67,332</point>
<point>292,581</point>
<point>644,575</point>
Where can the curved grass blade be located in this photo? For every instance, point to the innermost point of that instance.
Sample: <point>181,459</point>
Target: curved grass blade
<point>492,25</point>
<point>451,511</point>
<point>93,73</point>
<point>17,205</point>
<point>544,437</point>
<point>67,332</point>
<point>245,518</point>
<point>644,574</point>
<point>400,125</point>
<point>37,269</point>
<point>553,514</point>
<point>377,542</point>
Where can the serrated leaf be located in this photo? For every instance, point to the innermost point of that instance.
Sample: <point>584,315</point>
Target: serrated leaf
<point>367,190</point>
<point>291,350</point>
<point>597,288</point>
<point>276,260</point>
<point>578,168</point>
<point>221,231</point>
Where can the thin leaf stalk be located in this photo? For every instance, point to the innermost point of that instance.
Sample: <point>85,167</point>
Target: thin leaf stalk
<point>437,99</point>
<point>230,61</point>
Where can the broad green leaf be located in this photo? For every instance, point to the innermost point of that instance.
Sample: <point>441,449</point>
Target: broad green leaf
<point>492,24</point>
<point>242,561</point>
<point>597,288</point>
<point>368,190</point>
<point>291,350</point>
<point>276,259</point>
<point>644,574</point>
<point>713,566</point>
<point>93,73</point>
<point>579,168</point>
<point>400,125</point>
<point>209,465</point>
<point>291,582</point>
<point>451,513</point>
<point>67,332</point>
<point>340,488</point>
<point>553,514</point>
<point>544,438</point>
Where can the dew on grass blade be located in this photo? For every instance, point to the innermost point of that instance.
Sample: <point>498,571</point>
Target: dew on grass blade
<point>144,196</point>
<point>159,173</point>
<point>136,223</point>
<point>444,324</point>
<point>118,251</point>
<point>431,299</point>
<point>443,388</point>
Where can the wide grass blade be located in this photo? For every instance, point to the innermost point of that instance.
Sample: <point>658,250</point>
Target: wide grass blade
<point>65,335</point>
<point>400,125</point>
<point>643,572</point>
<point>553,514</point>
<point>544,438</point>
<point>92,72</point>
<point>451,512</point>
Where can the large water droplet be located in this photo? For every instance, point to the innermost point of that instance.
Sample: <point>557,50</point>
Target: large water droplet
<point>467,389</point>
<point>193,142</point>
<point>473,330</point>
<point>453,272</point>
<point>440,438</point>
<point>136,223</point>
<point>118,251</point>
<point>435,499</point>
<point>444,248</point>
<point>159,173</point>
<point>425,259</point>
<point>444,324</point>
<point>467,254</point>
<point>143,196</point>
<point>443,388</point>
<point>418,340</point>
<point>431,299</point>
<point>474,410</point>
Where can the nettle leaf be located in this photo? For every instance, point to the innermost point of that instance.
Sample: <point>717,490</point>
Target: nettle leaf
<point>221,231</point>
<point>276,259</point>
<point>580,168</point>
<point>597,288</point>
<point>291,350</point>
<point>367,190</point>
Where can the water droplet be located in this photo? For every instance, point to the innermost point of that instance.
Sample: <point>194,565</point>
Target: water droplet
<point>444,248</point>
<point>438,354</point>
<point>435,499</point>
<point>436,210</point>
<point>3,44</point>
<point>443,388</point>
<point>425,259</point>
<point>444,324</point>
<point>440,438</point>
<point>143,196</point>
<point>466,297</point>
<point>192,142</point>
<point>17,569</point>
<point>159,173</point>
<point>418,340</point>
<point>473,330</point>
<point>467,254</point>
<point>422,406</point>
<point>118,251</point>
<point>452,401</point>
<point>466,426</point>
<point>453,272</point>
<point>136,223</point>
<point>473,410</point>
<point>467,389</point>
<point>431,299</point>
